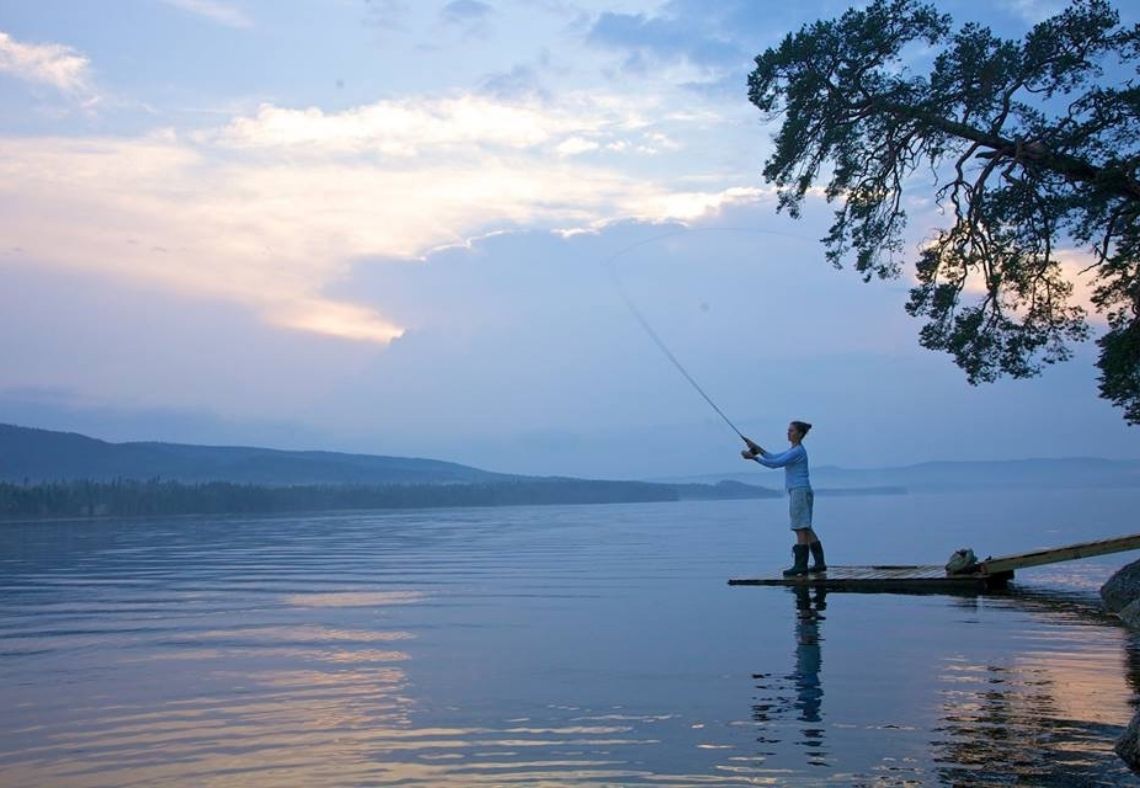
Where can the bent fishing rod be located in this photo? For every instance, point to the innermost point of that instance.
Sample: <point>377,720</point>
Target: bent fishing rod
<point>611,264</point>
<point>669,355</point>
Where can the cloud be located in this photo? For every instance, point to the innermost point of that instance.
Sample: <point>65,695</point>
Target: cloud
<point>1034,11</point>
<point>521,356</point>
<point>462,126</point>
<point>572,146</point>
<point>57,65</point>
<point>159,211</point>
<point>272,210</point>
<point>521,82</point>
<point>688,206</point>
<point>404,128</point>
<point>466,13</point>
<point>214,10</point>
<point>663,37</point>
<point>707,40</point>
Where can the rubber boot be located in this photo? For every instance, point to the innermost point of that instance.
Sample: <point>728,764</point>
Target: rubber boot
<point>800,551</point>
<point>817,564</point>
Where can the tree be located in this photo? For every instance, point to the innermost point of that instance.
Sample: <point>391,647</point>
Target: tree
<point>1030,148</point>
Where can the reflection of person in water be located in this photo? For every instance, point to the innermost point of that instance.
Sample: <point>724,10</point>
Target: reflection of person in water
<point>799,693</point>
<point>809,661</point>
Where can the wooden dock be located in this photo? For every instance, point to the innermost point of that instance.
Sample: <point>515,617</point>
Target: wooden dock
<point>987,575</point>
<point>900,579</point>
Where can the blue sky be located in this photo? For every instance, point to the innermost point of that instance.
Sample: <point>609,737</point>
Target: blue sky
<point>388,227</point>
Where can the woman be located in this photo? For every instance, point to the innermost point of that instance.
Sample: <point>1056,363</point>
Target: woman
<point>794,461</point>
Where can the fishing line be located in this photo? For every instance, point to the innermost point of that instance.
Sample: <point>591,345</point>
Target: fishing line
<point>611,264</point>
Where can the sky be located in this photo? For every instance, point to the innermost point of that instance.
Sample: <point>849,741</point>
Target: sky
<point>406,228</point>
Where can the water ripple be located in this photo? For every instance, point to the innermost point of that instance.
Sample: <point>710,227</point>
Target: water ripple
<point>558,646</point>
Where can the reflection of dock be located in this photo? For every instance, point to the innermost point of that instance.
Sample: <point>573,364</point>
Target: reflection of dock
<point>992,573</point>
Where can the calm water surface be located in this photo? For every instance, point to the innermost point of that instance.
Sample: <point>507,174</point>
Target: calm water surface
<point>559,645</point>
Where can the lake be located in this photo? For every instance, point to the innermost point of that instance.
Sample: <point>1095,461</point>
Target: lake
<point>560,645</point>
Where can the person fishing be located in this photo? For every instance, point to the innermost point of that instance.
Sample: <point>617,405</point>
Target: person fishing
<point>794,461</point>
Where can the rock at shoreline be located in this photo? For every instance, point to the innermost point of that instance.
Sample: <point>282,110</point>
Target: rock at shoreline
<point>1128,745</point>
<point>1122,589</point>
<point>1130,615</point>
<point>1121,595</point>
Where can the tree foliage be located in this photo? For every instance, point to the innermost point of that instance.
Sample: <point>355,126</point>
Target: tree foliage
<point>1033,147</point>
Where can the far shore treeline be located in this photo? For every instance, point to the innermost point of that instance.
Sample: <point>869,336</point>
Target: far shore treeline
<point>135,498</point>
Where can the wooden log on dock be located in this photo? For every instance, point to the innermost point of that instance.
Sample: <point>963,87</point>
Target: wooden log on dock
<point>1009,563</point>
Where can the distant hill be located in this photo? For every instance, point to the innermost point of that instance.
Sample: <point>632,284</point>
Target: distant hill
<point>45,474</point>
<point>945,476</point>
<point>37,455</point>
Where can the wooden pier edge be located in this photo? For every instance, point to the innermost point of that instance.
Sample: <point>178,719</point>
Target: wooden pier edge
<point>900,579</point>
<point>987,575</point>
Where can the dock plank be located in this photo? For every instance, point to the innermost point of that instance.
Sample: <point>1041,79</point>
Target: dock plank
<point>988,574</point>
<point>901,578</point>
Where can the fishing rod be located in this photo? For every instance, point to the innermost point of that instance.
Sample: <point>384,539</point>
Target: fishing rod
<point>611,264</point>
<point>669,354</point>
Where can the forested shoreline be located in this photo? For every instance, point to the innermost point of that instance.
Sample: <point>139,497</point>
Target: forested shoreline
<point>134,498</point>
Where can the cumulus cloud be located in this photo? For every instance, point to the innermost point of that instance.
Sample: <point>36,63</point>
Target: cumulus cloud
<point>214,10</point>
<point>57,65</point>
<point>401,128</point>
<point>274,209</point>
<point>159,211</point>
<point>458,126</point>
<point>575,145</point>
<point>692,205</point>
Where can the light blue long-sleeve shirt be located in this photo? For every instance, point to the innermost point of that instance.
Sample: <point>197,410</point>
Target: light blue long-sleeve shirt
<point>794,461</point>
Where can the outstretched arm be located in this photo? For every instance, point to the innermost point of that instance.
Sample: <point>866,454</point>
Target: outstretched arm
<point>781,459</point>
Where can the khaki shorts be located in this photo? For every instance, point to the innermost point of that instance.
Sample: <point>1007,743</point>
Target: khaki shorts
<point>800,503</point>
